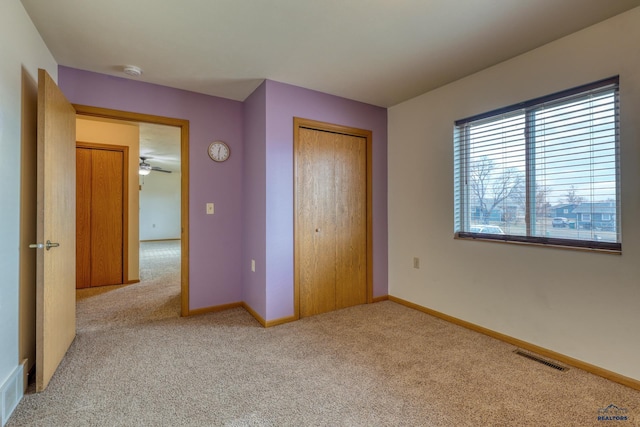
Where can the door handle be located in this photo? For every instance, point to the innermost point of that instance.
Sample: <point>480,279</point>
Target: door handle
<point>48,245</point>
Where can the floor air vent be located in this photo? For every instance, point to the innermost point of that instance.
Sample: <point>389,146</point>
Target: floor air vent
<point>541,360</point>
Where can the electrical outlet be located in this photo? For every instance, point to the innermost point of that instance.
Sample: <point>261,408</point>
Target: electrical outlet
<point>209,208</point>
<point>416,262</point>
<point>253,265</point>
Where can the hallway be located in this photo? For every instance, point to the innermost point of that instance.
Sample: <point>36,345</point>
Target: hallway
<point>157,296</point>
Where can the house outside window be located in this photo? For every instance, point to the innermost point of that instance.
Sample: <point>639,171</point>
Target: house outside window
<point>522,167</point>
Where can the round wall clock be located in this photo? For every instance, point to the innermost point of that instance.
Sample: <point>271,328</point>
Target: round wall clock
<point>219,151</point>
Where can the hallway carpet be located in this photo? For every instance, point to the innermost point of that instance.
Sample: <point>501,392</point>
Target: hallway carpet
<point>135,362</point>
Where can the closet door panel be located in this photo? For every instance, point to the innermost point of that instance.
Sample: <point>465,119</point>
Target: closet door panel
<point>317,222</point>
<point>351,221</point>
<point>106,218</point>
<point>83,218</point>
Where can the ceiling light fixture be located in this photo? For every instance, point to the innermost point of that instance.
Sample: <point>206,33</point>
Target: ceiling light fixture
<point>144,169</point>
<point>132,70</point>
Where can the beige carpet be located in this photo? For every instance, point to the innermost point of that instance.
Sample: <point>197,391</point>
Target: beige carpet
<point>135,362</point>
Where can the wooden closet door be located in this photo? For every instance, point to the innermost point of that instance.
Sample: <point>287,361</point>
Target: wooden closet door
<point>99,217</point>
<point>351,221</point>
<point>330,221</point>
<point>106,217</point>
<point>316,201</point>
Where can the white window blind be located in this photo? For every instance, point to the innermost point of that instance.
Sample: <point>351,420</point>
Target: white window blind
<point>533,172</point>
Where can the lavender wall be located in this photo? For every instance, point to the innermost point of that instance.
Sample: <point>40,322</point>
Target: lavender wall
<point>283,103</point>
<point>215,244</point>
<point>253,190</point>
<point>254,201</point>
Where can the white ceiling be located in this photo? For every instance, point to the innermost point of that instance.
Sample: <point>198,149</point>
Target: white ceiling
<point>160,144</point>
<point>380,52</point>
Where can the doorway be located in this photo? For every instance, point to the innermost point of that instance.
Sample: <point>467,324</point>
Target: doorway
<point>332,226</point>
<point>159,183</point>
<point>87,112</point>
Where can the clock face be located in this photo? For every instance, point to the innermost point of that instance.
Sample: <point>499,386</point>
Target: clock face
<point>219,151</point>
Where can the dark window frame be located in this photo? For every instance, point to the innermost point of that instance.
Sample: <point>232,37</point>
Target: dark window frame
<point>528,109</point>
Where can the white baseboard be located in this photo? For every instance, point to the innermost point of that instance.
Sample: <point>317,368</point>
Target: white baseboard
<point>11,393</point>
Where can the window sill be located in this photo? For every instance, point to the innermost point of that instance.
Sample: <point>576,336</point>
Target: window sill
<point>550,243</point>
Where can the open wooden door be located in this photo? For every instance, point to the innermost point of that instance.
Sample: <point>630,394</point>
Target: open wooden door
<point>55,271</point>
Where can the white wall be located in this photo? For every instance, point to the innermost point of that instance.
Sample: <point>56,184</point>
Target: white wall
<point>581,304</point>
<point>160,206</point>
<point>23,52</point>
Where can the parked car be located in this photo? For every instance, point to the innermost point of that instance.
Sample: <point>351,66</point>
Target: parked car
<point>487,229</point>
<point>560,221</point>
<point>604,226</point>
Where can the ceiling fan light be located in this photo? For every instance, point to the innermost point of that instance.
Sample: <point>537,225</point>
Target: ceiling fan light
<point>144,169</point>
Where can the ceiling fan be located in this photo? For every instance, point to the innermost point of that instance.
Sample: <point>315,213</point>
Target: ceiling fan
<point>145,168</point>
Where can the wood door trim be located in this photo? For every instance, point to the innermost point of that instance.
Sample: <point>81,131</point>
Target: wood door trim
<point>301,123</point>
<point>85,110</point>
<point>125,196</point>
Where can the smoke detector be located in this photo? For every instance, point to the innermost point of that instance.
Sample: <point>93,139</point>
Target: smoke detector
<point>132,70</point>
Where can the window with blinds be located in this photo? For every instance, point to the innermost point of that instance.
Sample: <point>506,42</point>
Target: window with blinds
<point>545,171</point>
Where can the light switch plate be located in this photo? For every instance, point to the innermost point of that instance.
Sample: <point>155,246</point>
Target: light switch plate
<point>209,208</point>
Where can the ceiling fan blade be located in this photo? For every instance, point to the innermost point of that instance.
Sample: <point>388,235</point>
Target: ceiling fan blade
<point>158,169</point>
